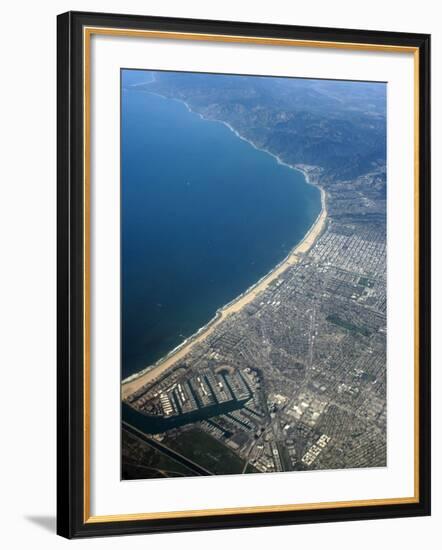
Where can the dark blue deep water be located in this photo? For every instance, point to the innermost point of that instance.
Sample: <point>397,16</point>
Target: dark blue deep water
<point>204,216</point>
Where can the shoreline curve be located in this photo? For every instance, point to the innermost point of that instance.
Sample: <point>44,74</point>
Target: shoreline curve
<point>135,381</point>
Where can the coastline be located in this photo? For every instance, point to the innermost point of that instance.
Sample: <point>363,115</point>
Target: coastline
<point>150,373</point>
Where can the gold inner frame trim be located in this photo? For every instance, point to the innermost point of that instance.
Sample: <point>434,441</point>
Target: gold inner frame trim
<point>87,34</point>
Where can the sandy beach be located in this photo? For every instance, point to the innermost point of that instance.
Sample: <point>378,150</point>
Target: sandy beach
<point>136,381</point>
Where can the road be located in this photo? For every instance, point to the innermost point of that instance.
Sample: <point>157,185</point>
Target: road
<point>196,468</point>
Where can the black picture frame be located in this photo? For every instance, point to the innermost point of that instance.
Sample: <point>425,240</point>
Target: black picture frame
<point>72,520</point>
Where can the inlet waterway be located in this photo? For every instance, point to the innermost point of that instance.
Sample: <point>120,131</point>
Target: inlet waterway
<point>204,215</point>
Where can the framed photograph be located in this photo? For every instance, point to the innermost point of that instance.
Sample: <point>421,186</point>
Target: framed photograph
<point>243,274</point>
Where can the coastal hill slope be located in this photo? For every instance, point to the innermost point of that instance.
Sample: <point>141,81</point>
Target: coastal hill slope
<point>338,125</point>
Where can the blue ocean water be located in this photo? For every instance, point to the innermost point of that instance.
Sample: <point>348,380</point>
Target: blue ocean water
<point>204,216</point>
